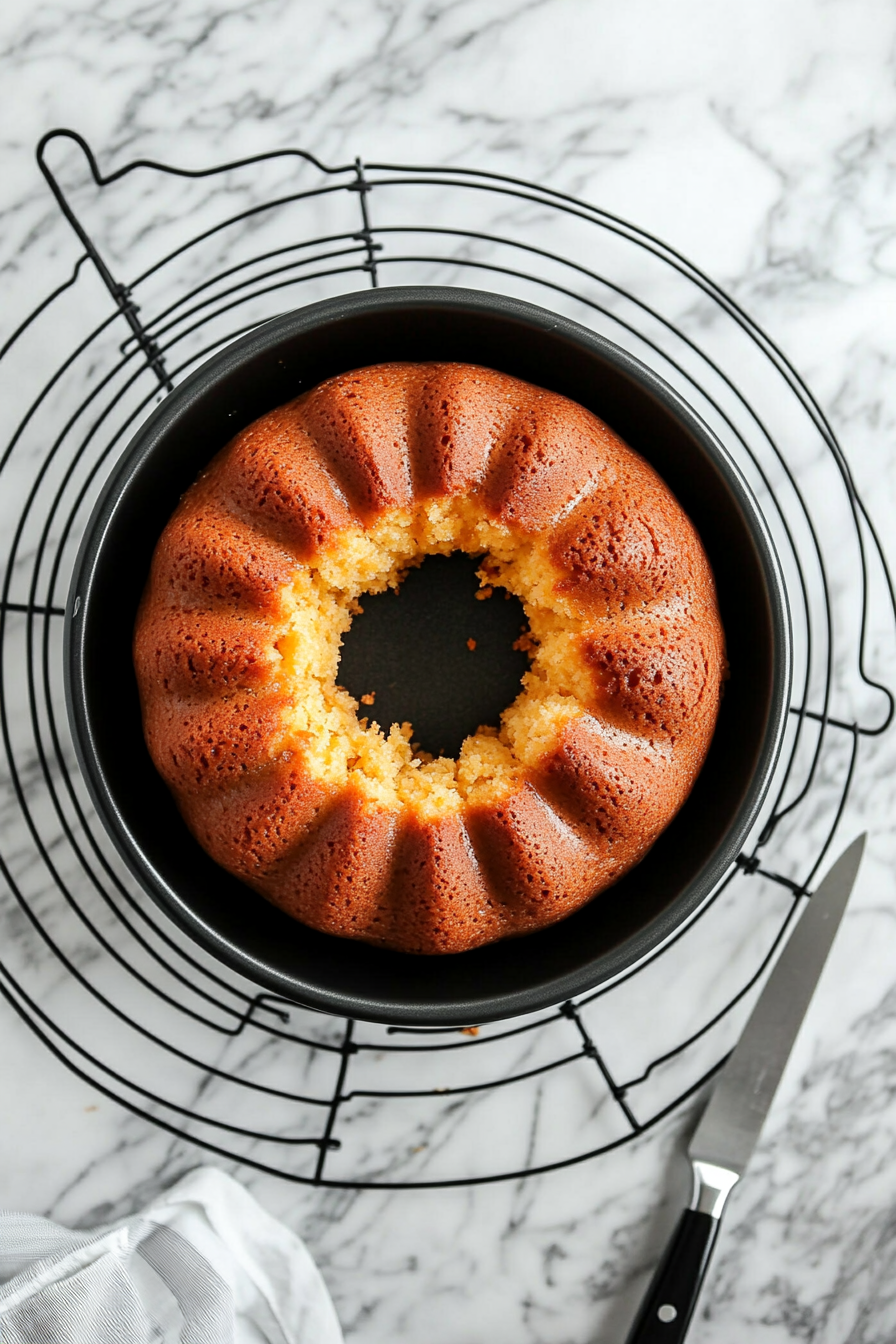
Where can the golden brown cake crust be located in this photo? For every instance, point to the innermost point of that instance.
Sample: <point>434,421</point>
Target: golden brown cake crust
<point>625,593</point>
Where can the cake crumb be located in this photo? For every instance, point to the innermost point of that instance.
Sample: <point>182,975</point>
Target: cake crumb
<point>369,698</point>
<point>469,1031</point>
<point>484,593</point>
<point>471,644</point>
<point>526,643</point>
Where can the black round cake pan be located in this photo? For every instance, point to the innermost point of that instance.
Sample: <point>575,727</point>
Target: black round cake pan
<point>274,364</point>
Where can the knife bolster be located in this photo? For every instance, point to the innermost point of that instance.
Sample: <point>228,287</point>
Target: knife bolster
<point>712,1186</point>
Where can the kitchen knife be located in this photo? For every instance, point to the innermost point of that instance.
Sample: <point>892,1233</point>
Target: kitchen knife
<point>727,1134</point>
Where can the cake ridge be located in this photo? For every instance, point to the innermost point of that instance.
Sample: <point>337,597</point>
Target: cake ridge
<point>369,479</point>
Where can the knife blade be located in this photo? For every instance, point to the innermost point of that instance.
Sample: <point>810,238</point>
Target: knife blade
<point>724,1140</point>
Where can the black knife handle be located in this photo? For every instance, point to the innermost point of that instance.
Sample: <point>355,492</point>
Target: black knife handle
<point>669,1305</point>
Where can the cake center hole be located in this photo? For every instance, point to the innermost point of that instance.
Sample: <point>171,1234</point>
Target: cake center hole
<point>434,655</point>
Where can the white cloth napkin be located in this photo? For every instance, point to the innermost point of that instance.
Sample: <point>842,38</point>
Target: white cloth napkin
<point>204,1264</point>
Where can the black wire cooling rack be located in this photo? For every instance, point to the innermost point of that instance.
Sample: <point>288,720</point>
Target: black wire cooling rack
<point>91,964</point>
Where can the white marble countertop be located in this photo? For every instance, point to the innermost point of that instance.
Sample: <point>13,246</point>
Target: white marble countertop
<point>760,142</point>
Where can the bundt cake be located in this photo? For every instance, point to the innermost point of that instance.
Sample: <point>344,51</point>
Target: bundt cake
<point>337,820</point>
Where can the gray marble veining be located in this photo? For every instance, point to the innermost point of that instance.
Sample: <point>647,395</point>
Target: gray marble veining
<point>759,141</point>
